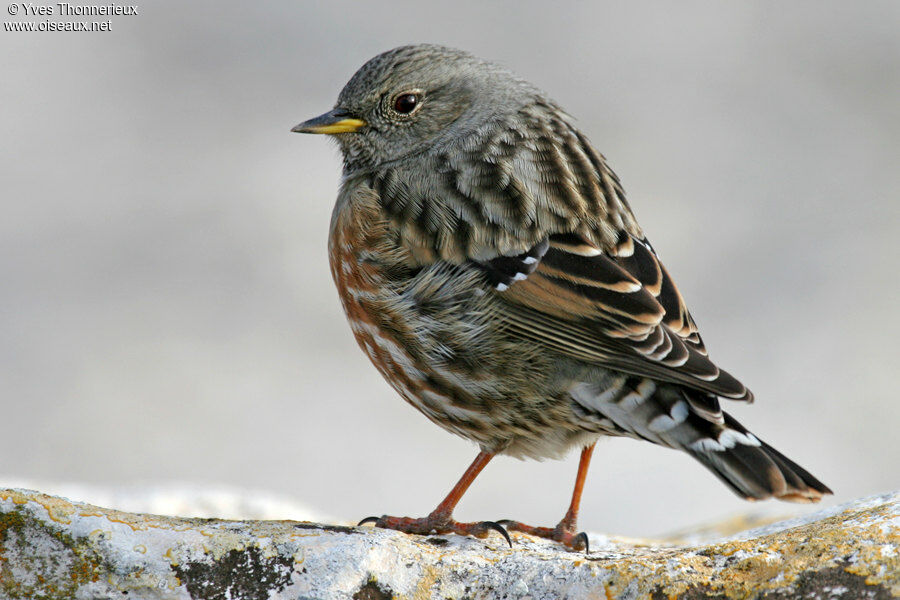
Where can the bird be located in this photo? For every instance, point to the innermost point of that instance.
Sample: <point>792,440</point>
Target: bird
<point>493,271</point>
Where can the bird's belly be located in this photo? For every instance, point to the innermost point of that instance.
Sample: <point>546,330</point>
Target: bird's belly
<point>440,344</point>
<point>400,345</point>
<point>453,369</point>
<point>391,329</point>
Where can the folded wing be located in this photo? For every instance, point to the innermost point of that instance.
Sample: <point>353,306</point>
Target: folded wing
<point>593,287</point>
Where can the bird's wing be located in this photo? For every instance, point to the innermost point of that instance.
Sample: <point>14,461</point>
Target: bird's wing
<point>594,288</point>
<point>621,311</point>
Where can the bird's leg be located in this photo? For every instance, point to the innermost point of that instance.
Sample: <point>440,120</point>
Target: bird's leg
<point>441,518</point>
<point>564,532</point>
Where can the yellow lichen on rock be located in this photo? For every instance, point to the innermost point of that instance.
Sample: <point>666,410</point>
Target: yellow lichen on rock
<point>53,548</point>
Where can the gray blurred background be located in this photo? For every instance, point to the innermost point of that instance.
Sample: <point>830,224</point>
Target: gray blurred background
<point>167,313</point>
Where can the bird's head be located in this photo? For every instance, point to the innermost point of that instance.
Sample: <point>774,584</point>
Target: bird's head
<point>414,98</point>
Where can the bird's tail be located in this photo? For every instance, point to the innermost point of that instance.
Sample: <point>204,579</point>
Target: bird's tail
<point>692,421</point>
<point>754,469</point>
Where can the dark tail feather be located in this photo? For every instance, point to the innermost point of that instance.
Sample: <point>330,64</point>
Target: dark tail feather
<point>692,421</point>
<point>754,469</point>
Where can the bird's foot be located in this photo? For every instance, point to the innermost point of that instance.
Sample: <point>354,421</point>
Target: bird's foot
<point>565,535</point>
<point>438,524</point>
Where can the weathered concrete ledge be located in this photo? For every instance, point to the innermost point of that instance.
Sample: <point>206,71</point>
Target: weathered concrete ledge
<point>53,548</point>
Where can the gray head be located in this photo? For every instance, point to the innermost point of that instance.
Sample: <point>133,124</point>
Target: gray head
<point>413,98</point>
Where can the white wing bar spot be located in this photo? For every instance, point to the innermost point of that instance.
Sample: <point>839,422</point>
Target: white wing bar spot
<point>728,438</point>
<point>675,417</point>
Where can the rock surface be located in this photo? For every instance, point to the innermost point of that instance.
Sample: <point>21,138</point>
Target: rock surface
<point>54,548</point>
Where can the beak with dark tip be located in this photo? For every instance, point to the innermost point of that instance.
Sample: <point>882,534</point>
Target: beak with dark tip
<point>334,121</point>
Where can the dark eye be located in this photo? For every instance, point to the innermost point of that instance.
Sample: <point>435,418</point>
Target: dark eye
<point>406,103</point>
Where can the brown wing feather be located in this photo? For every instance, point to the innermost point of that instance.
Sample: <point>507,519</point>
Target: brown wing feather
<point>535,207</point>
<point>599,291</point>
<point>628,331</point>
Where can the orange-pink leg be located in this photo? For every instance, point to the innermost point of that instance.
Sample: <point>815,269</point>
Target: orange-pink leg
<point>441,519</point>
<point>564,532</point>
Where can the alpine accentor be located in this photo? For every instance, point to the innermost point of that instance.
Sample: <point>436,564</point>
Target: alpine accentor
<point>494,273</point>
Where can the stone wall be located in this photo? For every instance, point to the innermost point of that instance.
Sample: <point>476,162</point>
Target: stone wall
<point>54,548</point>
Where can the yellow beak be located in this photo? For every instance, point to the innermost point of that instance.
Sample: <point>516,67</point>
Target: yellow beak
<point>335,121</point>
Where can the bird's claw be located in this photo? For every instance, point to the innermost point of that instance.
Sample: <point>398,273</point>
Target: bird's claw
<point>439,524</point>
<point>582,539</point>
<point>562,533</point>
<point>495,526</point>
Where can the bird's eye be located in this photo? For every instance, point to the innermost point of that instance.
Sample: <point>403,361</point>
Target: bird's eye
<point>406,103</point>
